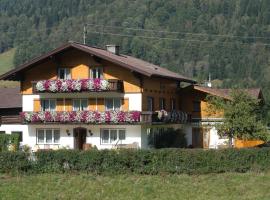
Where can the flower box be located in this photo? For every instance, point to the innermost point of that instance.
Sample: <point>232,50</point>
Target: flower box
<point>91,117</point>
<point>72,85</point>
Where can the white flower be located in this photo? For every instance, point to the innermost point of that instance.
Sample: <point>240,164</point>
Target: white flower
<point>40,86</point>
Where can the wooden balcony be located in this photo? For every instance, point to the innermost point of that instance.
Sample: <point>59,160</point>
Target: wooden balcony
<point>152,118</point>
<point>115,85</point>
<point>11,119</point>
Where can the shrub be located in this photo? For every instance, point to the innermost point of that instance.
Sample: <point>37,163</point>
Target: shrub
<point>163,161</point>
<point>9,142</point>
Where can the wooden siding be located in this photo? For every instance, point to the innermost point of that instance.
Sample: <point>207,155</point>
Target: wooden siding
<point>37,106</point>
<point>160,88</point>
<point>80,64</point>
<point>93,104</point>
<point>247,143</point>
<point>125,104</point>
<point>188,100</point>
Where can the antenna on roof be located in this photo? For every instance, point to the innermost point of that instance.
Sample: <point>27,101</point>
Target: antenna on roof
<point>84,33</point>
<point>209,84</point>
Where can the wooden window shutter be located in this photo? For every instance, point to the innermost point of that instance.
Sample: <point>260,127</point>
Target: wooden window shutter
<point>125,104</point>
<point>37,105</point>
<point>59,105</point>
<point>92,104</point>
<point>68,105</point>
<point>100,104</point>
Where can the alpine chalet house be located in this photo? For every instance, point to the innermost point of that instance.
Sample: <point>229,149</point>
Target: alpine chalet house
<point>202,132</point>
<point>78,96</point>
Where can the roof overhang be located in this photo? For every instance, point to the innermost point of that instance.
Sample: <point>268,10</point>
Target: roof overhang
<point>14,74</point>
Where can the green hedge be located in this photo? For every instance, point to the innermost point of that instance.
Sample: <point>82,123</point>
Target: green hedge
<point>164,161</point>
<point>7,140</point>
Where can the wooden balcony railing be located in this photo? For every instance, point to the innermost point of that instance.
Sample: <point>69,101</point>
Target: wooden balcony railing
<point>177,117</point>
<point>11,119</point>
<point>115,85</point>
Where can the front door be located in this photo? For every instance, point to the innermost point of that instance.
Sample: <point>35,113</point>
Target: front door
<point>197,138</point>
<point>79,138</point>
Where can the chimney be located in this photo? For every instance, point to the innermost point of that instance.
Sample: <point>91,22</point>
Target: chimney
<point>209,84</point>
<point>113,48</point>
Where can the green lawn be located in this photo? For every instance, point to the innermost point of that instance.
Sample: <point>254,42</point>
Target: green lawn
<point>83,186</point>
<point>6,61</point>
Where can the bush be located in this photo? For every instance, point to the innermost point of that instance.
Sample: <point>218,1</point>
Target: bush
<point>163,161</point>
<point>9,142</point>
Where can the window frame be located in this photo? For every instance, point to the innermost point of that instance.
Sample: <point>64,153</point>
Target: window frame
<point>66,75</point>
<point>196,106</point>
<point>42,104</point>
<point>173,104</point>
<point>45,136</point>
<point>97,69</point>
<point>113,103</point>
<point>109,138</point>
<point>152,103</point>
<point>80,106</point>
<point>162,103</point>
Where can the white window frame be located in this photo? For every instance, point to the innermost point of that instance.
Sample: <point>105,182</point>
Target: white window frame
<point>50,100</point>
<point>120,108</point>
<point>80,109</point>
<point>117,132</point>
<point>96,69</point>
<point>67,73</point>
<point>44,132</point>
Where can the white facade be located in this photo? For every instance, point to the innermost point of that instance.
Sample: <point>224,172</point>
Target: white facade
<point>133,135</point>
<point>135,99</point>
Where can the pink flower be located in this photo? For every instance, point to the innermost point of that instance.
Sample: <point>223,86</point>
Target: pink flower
<point>121,116</point>
<point>59,85</point>
<point>97,84</point>
<point>135,116</point>
<point>97,116</point>
<point>107,116</point>
<point>84,84</point>
<point>47,84</point>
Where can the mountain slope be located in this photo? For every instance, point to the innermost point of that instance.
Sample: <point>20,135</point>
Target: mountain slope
<point>6,60</point>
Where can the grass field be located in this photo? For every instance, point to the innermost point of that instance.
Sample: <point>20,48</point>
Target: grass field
<point>85,186</point>
<point>6,60</point>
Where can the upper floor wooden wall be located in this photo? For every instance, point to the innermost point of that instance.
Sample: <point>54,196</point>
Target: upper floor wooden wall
<point>192,97</point>
<point>80,64</point>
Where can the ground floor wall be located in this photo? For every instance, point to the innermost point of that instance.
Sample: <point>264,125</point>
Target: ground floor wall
<point>134,134</point>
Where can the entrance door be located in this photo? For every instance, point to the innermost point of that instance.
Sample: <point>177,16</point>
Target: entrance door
<point>197,138</point>
<point>79,137</point>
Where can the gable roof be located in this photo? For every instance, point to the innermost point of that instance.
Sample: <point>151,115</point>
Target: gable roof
<point>129,62</point>
<point>10,98</point>
<point>225,93</point>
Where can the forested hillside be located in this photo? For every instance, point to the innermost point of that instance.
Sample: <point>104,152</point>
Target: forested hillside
<point>228,38</point>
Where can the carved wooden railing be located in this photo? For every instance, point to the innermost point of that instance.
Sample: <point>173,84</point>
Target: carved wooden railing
<point>115,85</point>
<point>152,117</point>
<point>11,119</point>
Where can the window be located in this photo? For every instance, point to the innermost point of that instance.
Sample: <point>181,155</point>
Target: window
<point>19,133</point>
<point>48,136</point>
<point>196,106</point>
<point>110,136</point>
<point>80,104</point>
<point>162,104</point>
<point>173,104</point>
<point>48,104</point>
<point>113,103</point>
<point>150,103</point>
<point>96,72</point>
<point>64,73</point>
